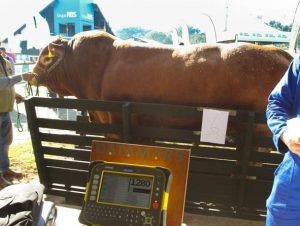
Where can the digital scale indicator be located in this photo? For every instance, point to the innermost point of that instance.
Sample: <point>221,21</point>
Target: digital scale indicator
<point>125,195</point>
<point>127,189</point>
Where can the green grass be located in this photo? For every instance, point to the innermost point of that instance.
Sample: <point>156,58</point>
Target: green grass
<point>22,159</point>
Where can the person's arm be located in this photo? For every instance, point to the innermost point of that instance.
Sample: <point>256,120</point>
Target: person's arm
<point>281,107</point>
<point>6,82</point>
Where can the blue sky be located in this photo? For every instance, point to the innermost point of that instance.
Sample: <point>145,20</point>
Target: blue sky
<point>158,14</point>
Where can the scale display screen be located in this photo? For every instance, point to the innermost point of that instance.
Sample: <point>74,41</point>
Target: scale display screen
<point>126,189</point>
<point>126,195</point>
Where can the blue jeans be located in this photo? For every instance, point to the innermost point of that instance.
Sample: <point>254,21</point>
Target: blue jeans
<point>275,221</point>
<point>6,137</point>
<point>283,204</point>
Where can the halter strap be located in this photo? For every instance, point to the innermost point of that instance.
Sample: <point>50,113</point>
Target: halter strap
<point>47,71</point>
<point>51,68</point>
<point>54,65</point>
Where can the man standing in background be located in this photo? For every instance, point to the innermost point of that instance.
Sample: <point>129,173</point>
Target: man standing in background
<point>7,57</point>
<point>7,98</point>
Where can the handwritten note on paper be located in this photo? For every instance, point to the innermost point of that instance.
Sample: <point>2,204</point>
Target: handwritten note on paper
<point>214,126</point>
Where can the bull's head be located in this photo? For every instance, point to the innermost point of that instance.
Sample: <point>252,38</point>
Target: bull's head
<point>48,59</point>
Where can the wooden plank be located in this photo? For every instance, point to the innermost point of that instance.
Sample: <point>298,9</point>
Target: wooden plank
<point>81,154</point>
<point>221,211</point>
<point>67,177</point>
<point>79,127</point>
<point>167,110</point>
<point>72,198</point>
<point>67,164</point>
<point>179,135</point>
<point>212,188</point>
<point>215,152</point>
<point>78,189</point>
<point>264,157</point>
<point>69,139</point>
<point>256,194</point>
<point>80,104</point>
<point>212,166</point>
<point>261,141</point>
<point>262,172</point>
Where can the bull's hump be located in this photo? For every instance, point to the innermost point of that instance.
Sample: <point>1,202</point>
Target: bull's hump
<point>94,34</point>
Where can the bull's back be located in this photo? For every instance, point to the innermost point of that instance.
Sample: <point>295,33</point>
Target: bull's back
<point>253,71</point>
<point>221,76</point>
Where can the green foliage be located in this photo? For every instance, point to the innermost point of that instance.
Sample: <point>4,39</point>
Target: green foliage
<point>196,36</point>
<point>286,28</point>
<point>130,32</point>
<point>159,37</point>
<point>279,26</point>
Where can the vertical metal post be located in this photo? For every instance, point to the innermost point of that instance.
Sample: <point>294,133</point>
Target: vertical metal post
<point>246,151</point>
<point>35,139</point>
<point>126,113</point>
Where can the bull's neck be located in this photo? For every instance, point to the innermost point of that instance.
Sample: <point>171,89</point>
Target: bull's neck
<point>63,82</point>
<point>56,80</point>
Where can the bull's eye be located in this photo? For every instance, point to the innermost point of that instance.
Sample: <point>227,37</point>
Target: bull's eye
<point>47,60</point>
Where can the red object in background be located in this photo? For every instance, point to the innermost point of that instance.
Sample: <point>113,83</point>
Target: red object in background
<point>12,56</point>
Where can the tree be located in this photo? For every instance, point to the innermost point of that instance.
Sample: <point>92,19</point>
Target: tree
<point>159,37</point>
<point>130,32</point>
<point>286,28</point>
<point>278,25</point>
<point>196,35</point>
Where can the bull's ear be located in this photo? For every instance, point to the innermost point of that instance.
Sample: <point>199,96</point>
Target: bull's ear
<point>57,49</point>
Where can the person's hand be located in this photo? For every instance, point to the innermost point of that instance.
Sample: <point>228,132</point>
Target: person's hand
<point>28,76</point>
<point>19,98</point>
<point>291,136</point>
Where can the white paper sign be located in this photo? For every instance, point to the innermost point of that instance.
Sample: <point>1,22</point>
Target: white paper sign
<point>214,126</point>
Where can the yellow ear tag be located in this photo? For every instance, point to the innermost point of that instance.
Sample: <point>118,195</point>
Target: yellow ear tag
<point>50,54</point>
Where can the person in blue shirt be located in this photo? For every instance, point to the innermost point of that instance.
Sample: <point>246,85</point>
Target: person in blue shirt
<point>283,118</point>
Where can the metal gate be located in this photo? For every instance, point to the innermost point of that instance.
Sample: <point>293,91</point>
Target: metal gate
<point>225,180</point>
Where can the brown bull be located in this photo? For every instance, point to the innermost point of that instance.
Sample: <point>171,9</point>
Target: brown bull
<point>96,65</point>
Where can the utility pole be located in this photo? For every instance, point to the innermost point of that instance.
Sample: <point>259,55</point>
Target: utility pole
<point>226,15</point>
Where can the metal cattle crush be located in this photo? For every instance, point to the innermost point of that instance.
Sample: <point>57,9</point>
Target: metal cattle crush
<point>230,180</point>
